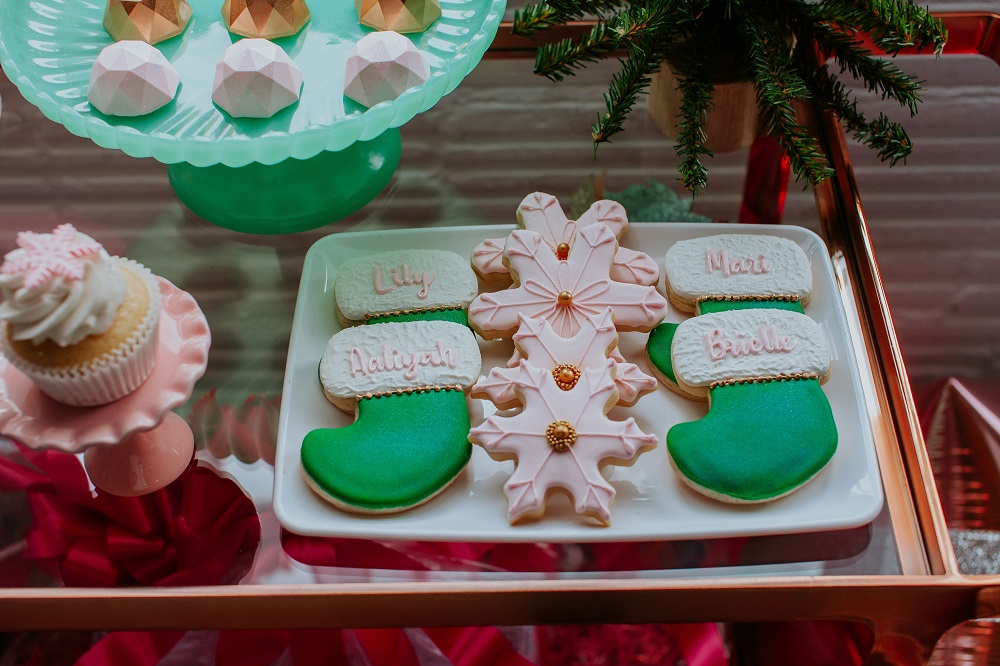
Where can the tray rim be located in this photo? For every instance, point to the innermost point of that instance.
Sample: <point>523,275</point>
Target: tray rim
<point>592,536</point>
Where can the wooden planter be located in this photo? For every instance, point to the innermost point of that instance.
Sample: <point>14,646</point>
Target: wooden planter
<point>732,122</point>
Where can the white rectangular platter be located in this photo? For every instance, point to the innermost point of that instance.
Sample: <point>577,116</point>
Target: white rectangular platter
<point>651,503</point>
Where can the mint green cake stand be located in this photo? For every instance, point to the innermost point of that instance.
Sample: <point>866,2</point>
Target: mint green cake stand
<point>310,164</point>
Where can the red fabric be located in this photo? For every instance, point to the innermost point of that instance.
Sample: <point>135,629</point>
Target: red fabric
<point>815,643</point>
<point>137,648</point>
<point>662,644</point>
<point>471,646</point>
<point>418,555</point>
<point>200,530</point>
<point>766,184</point>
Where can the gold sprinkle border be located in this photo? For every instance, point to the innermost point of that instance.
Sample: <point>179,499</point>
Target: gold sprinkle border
<point>415,389</point>
<point>788,298</point>
<point>761,380</point>
<point>396,313</point>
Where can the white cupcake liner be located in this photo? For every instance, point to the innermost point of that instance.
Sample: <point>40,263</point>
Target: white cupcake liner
<point>112,375</point>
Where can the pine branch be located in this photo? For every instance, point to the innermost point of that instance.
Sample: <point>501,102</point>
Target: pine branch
<point>532,18</point>
<point>887,138</point>
<point>656,19</point>
<point>627,84</point>
<point>696,101</point>
<point>879,75</point>
<point>778,87</point>
<point>893,25</point>
<point>560,59</point>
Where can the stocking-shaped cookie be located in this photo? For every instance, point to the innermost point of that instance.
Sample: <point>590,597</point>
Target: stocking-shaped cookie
<point>542,214</point>
<point>756,357</point>
<point>543,348</point>
<point>404,374</point>
<point>560,440</point>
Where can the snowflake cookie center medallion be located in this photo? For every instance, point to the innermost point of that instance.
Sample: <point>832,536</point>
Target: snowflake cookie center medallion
<point>560,435</point>
<point>566,376</point>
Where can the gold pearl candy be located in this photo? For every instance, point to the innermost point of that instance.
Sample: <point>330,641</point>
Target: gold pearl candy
<point>565,298</point>
<point>560,435</point>
<point>562,251</point>
<point>566,376</point>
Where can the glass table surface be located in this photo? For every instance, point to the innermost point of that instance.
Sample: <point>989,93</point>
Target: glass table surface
<point>468,161</point>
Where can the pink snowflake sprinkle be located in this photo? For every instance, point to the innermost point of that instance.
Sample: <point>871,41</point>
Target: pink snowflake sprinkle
<point>44,256</point>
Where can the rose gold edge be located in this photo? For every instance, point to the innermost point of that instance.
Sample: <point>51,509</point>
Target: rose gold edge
<point>895,606</point>
<point>906,471</point>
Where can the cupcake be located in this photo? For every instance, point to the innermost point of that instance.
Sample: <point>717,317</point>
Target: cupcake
<point>79,323</point>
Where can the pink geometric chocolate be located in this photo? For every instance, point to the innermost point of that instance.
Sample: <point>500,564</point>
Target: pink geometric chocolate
<point>565,292</point>
<point>381,66</point>
<point>544,349</point>
<point>560,440</point>
<point>255,78</point>
<point>542,213</point>
<point>131,78</point>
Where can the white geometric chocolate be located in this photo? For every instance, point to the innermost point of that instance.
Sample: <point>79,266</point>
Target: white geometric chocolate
<point>255,79</point>
<point>131,78</point>
<point>381,66</point>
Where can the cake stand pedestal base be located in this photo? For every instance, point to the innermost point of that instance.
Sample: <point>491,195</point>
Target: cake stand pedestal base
<point>145,462</point>
<point>293,195</point>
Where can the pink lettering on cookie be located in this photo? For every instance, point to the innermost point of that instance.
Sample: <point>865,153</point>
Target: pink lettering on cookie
<point>769,341</point>
<point>402,277</point>
<point>393,360</point>
<point>719,261</point>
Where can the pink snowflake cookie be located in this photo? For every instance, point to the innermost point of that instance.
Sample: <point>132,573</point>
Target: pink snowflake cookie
<point>543,348</point>
<point>542,214</point>
<point>42,257</point>
<point>560,441</point>
<point>565,292</point>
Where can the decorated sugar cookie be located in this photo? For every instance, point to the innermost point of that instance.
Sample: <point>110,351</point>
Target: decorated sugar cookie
<point>421,284</point>
<point>407,382</point>
<point>560,440</point>
<point>757,358</point>
<point>745,268</point>
<point>540,346</point>
<point>542,214</point>
<point>564,291</point>
<point>405,374</point>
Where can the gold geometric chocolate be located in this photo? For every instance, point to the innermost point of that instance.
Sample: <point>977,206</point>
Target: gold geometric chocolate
<point>398,15</point>
<point>150,21</point>
<point>266,19</point>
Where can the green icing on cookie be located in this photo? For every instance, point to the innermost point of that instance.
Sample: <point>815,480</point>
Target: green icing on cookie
<point>661,339</point>
<point>705,307</point>
<point>401,450</point>
<point>457,315</point>
<point>758,441</point>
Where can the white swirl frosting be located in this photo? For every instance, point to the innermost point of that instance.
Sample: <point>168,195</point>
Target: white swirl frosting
<point>63,309</point>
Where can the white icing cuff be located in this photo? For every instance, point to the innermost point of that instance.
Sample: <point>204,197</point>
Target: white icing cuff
<point>740,344</point>
<point>398,356</point>
<point>736,265</point>
<point>403,280</point>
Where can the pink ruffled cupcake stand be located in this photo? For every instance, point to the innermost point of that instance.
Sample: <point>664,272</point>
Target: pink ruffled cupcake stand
<point>132,446</point>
